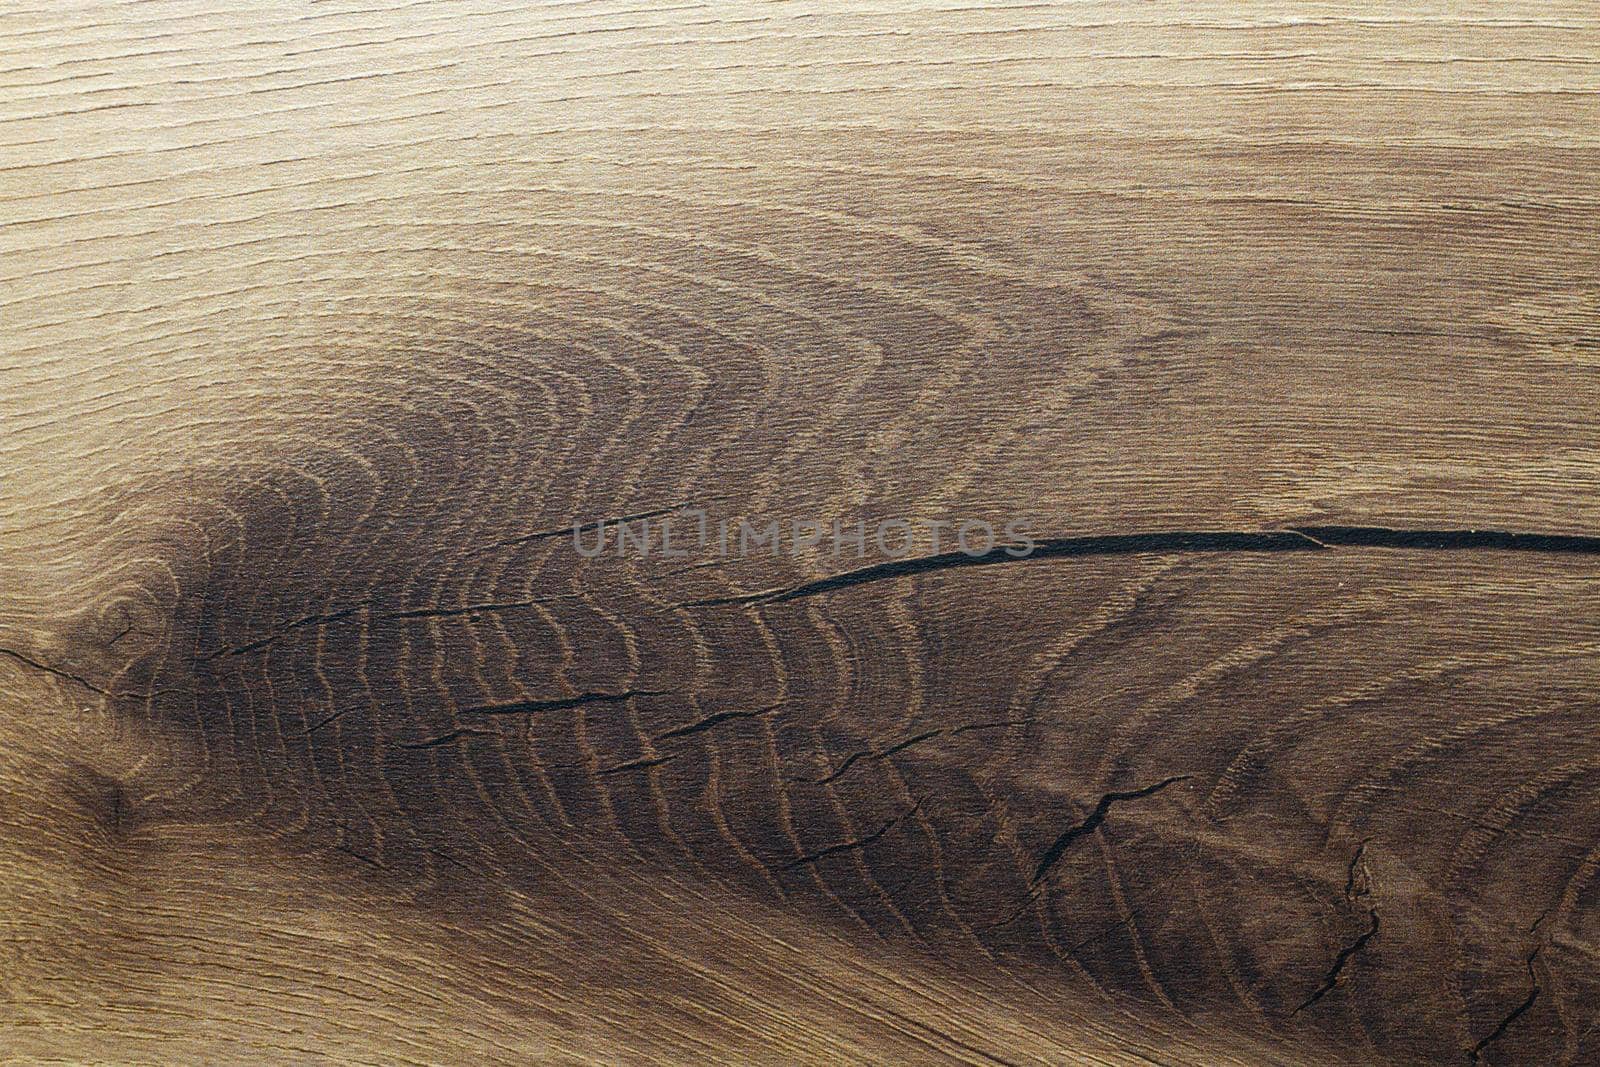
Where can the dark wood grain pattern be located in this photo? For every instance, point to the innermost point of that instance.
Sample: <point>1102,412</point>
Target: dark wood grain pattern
<point>325,323</point>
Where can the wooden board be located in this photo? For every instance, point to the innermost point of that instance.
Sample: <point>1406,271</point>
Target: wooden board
<point>1276,326</point>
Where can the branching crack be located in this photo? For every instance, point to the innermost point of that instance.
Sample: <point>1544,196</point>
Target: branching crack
<point>1092,823</point>
<point>1357,882</point>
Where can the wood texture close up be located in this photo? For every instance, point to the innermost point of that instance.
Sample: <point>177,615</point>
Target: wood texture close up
<point>323,322</point>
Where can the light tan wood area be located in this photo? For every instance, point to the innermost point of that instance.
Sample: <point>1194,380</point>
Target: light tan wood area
<point>321,323</point>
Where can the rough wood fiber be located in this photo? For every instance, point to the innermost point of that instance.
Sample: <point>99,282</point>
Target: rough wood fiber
<point>315,314</point>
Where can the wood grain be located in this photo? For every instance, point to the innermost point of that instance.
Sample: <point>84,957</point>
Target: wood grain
<point>323,323</point>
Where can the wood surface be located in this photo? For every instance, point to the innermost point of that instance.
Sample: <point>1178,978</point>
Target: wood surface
<point>323,321</point>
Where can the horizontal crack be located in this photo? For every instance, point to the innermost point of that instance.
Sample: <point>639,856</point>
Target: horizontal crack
<point>445,738</point>
<point>701,725</point>
<point>636,765</point>
<point>527,707</point>
<point>362,856</point>
<point>1450,540</point>
<point>281,631</point>
<point>997,724</point>
<point>579,528</point>
<point>469,609</point>
<point>327,720</point>
<point>56,671</point>
<point>1294,539</point>
<point>848,846</point>
<point>852,759</point>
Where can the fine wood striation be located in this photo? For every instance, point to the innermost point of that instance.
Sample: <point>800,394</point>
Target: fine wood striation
<point>325,323</point>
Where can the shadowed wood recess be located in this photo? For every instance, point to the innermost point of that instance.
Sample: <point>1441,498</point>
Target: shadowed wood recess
<point>325,321</point>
